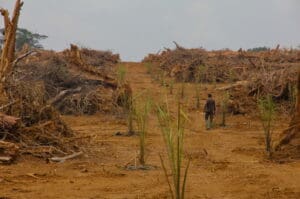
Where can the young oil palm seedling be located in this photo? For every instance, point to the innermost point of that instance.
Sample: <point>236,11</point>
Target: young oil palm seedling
<point>121,75</point>
<point>182,90</point>
<point>214,81</point>
<point>200,73</point>
<point>142,118</point>
<point>131,110</point>
<point>130,115</point>
<point>162,78</point>
<point>292,96</point>
<point>198,84</point>
<point>197,90</point>
<point>267,115</point>
<point>149,67</point>
<point>231,76</point>
<point>171,86</point>
<point>224,107</point>
<point>173,135</point>
<point>126,99</point>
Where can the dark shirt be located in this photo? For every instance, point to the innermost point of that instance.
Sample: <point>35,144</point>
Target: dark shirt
<point>210,106</point>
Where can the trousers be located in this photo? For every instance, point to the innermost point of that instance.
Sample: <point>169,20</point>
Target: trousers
<point>209,116</point>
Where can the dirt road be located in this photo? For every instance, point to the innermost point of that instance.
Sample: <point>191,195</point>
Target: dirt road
<point>227,163</point>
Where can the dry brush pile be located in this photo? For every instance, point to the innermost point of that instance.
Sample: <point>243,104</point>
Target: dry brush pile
<point>38,85</point>
<point>47,83</point>
<point>68,82</point>
<point>288,146</point>
<point>251,75</point>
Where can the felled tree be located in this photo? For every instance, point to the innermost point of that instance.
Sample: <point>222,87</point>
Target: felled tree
<point>293,132</point>
<point>8,50</point>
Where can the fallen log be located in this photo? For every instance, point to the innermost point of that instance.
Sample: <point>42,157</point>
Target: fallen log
<point>237,84</point>
<point>63,94</point>
<point>62,159</point>
<point>22,57</point>
<point>6,159</point>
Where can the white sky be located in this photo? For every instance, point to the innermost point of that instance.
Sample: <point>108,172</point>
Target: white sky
<point>135,28</point>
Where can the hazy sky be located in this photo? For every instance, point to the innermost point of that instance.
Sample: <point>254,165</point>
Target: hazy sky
<point>135,28</point>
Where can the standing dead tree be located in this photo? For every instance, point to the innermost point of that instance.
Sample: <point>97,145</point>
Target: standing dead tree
<point>293,132</point>
<point>8,51</point>
<point>7,56</point>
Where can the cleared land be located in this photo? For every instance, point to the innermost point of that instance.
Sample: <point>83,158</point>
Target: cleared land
<point>233,167</point>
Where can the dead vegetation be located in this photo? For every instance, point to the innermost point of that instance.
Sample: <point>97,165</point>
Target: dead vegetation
<point>288,146</point>
<point>251,74</point>
<point>48,83</point>
<point>38,85</point>
<point>66,81</point>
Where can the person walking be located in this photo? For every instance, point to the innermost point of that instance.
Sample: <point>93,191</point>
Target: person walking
<point>209,110</point>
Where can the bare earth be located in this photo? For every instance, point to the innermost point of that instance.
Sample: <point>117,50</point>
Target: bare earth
<point>227,163</point>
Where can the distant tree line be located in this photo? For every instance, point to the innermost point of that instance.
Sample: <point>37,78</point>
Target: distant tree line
<point>258,49</point>
<point>24,36</point>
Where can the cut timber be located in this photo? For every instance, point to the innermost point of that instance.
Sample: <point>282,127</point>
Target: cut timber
<point>237,84</point>
<point>6,159</point>
<point>63,94</point>
<point>62,159</point>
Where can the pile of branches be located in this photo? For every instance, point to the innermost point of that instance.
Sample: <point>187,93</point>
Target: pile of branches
<point>100,59</point>
<point>252,75</point>
<point>277,80</point>
<point>193,65</point>
<point>222,65</point>
<point>68,82</point>
<point>37,85</point>
<point>39,131</point>
<point>180,63</point>
<point>46,84</point>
